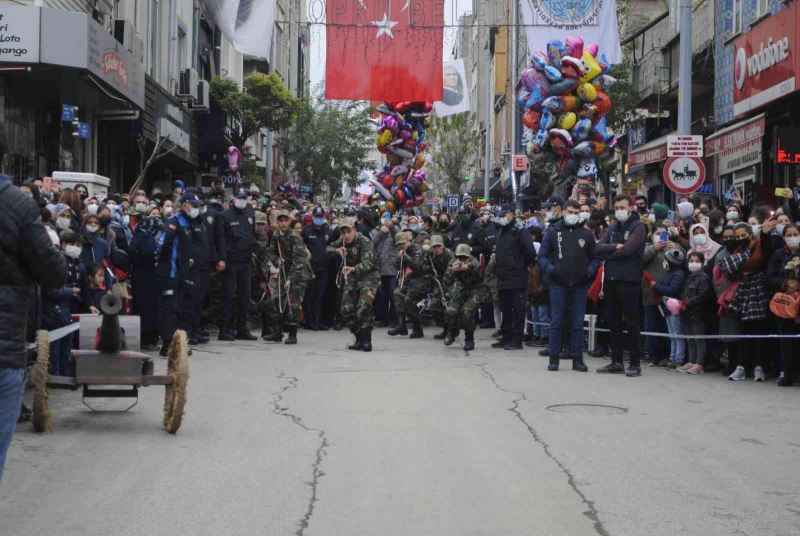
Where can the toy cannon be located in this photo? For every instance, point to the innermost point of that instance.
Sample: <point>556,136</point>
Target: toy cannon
<point>109,355</point>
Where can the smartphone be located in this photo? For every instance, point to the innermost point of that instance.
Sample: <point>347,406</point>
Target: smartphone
<point>663,236</point>
<point>671,215</point>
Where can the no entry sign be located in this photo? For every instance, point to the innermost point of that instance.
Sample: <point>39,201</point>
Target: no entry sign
<point>684,175</point>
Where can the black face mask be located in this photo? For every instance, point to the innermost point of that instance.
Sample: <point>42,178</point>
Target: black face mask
<point>743,243</point>
<point>730,244</point>
<point>105,220</point>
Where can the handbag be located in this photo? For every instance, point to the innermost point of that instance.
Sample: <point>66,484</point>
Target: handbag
<point>785,305</point>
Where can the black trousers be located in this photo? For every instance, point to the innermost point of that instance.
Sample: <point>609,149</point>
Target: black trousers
<point>192,297</point>
<point>235,283</point>
<point>513,303</point>
<point>315,294</point>
<point>172,311</point>
<point>623,301</point>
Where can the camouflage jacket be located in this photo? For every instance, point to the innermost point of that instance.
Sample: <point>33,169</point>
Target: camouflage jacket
<point>416,260</point>
<point>469,279</point>
<point>262,257</point>
<point>288,247</point>
<point>440,263</point>
<point>361,255</point>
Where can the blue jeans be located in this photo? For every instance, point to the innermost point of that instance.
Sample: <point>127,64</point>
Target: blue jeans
<point>12,383</point>
<point>677,347</point>
<point>563,301</point>
<point>540,314</point>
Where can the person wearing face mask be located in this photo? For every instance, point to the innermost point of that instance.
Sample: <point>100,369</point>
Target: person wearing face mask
<point>178,248</point>
<point>670,288</point>
<point>584,214</point>
<point>385,254</point>
<point>697,307</point>
<point>96,251</point>
<point>138,210</point>
<point>700,242</point>
<point>782,276</point>
<point>166,208</point>
<point>239,241</point>
<point>490,307</point>
<point>316,237</point>
<point>443,226</point>
<point>514,255</point>
<point>62,216</point>
<point>144,290</point>
<point>92,206</point>
<point>464,285</point>
<point>120,225</point>
<point>568,262</point>
<point>641,205</point>
<point>554,209</point>
<point>623,248</point>
<point>657,267</point>
<point>750,302</point>
<point>467,232</point>
<point>733,214</point>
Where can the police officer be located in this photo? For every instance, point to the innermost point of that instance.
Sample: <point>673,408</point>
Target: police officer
<point>440,258</point>
<point>211,212</point>
<point>568,261</point>
<point>290,274</point>
<point>469,232</point>
<point>359,278</point>
<point>514,253</point>
<point>414,283</point>
<point>317,236</point>
<point>489,237</point>
<point>464,282</point>
<point>203,245</point>
<point>239,237</point>
<point>178,248</point>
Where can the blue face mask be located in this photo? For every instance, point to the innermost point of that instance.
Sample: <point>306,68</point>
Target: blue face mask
<point>414,228</point>
<point>319,221</point>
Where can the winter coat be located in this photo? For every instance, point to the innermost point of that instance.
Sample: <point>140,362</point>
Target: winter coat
<point>624,264</point>
<point>776,270</point>
<point>514,253</point>
<point>316,239</point>
<point>567,255</point>
<point>672,284</point>
<point>697,295</point>
<point>143,278</point>
<point>470,233</point>
<point>240,236</point>
<point>385,251</point>
<point>27,258</point>
<point>657,266</point>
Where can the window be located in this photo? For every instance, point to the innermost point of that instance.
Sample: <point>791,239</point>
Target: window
<point>762,8</point>
<point>674,17</point>
<point>737,16</point>
<point>153,28</point>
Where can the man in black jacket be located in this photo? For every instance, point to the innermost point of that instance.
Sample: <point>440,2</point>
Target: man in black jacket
<point>568,262</point>
<point>317,236</point>
<point>27,258</point>
<point>514,254</point>
<point>467,231</point>
<point>623,249</point>
<point>236,258</point>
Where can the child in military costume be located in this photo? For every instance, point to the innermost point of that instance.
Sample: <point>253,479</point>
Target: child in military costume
<point>464,282</point>
<point>439,258</point>
<point>414,284</point>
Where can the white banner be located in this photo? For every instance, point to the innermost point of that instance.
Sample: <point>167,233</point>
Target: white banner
<point>594,21</point>
<point>247,24</point>
<point>456,90</point>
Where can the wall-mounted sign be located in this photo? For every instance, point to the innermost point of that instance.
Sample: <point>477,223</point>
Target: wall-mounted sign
<point>84,131</point>
<point>684,175</point>
<point>787,142</point>
<point>19,33</point>
<point>68,112</point>
<point>685,146</point>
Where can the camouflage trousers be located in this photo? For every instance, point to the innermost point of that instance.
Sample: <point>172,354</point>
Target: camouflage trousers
<point>357,297</point>
<point>407,298</point>
<point>461,307</point>
<point>492,292</point>
<point>438,309</point>
<point>292,305</point>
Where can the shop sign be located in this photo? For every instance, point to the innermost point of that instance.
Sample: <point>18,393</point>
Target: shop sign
<point>520,162</point>
<point>176,134</point>
<point>765,61</point>
<point>787,142</point>
<point>648,156</point>
<point>737,135</point>
<point>19,33</point>
<point>111,61</point>
<point>738,157</point>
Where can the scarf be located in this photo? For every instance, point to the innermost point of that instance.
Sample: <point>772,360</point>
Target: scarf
<point>709,249</point>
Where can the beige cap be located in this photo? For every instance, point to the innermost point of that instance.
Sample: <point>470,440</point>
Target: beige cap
<point>261,217</point>
<point>463,250</point>
<point>437,240</point>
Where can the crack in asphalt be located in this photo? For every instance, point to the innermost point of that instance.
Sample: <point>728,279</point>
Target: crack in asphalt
<point>592,512</point>
<point>321,452</point>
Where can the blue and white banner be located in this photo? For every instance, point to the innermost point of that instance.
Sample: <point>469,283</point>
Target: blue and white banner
<point>594,21</point>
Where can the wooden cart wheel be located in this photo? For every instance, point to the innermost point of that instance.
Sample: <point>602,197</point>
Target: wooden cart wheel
<point>178,369</point>
<point>41,368</point>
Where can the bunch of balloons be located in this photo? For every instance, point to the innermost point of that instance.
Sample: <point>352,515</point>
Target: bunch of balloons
<point>401,137</point>
<point>563,92</point>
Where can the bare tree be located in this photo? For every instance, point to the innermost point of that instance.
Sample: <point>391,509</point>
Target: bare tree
<point>162,148</point>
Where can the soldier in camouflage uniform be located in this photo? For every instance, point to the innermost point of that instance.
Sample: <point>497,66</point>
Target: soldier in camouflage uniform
<point>440,258</point>
<point>415,279</point>
<point>360,278</point>
<point>464,282</point>
<point>261,258</point>
<point>289,274</point>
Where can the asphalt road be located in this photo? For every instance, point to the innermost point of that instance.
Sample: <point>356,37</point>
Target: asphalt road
<point>413,439</point>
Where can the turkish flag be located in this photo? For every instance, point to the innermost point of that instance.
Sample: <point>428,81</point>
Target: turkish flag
<point>384,50</point>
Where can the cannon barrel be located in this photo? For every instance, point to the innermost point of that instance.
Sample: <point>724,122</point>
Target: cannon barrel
<point>111,338</point>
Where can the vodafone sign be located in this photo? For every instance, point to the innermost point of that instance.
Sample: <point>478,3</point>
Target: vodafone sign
<point>765,61</point>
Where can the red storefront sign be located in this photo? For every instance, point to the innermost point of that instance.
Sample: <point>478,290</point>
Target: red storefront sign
<point>648,156</point>
<point>737,135</point>
<point>765,61</point>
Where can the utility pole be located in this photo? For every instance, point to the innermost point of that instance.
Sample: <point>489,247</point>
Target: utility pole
<point>685,69</point>
<point>488,121</point>
<point>513,102</point>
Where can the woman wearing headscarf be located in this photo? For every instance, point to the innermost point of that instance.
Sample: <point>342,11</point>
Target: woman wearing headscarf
<point>143,266</point>
<point>95,250</point>
<point>700,242</point>
<point>120,222</point>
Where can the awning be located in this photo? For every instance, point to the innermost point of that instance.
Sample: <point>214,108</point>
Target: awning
<point>649,153</point>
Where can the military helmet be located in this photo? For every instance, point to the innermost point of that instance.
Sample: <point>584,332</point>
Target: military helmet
<point>463,250</point>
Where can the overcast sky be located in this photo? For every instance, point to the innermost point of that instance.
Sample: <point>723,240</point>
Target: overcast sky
<point>452,10</point>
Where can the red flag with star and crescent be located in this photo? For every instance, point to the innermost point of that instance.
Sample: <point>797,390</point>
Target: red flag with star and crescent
<point>384,50</point>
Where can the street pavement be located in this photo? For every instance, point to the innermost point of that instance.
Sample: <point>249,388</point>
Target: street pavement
<point>413,439</point>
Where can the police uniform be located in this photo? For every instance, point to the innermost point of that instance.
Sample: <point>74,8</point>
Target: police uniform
<point>414,282</point>
<point>317,238</point>
<point>464,294</point>
<point>359,287</point>
<point>239,237</point>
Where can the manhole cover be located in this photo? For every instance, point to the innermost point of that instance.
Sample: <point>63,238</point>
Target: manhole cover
<point>587,409</point>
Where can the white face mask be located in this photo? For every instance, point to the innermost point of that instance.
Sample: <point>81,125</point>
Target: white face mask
<point>550,215</point>
<point>583,216</point>
<point>718,229</point>
<point>72,251</point>
<point>700,239</point>
<point>240,203</point>
<point>194,212</point>
<point>793,241</point>
<point>126,220</point>
<point>756,229</point>
<point>502,221</point>
<point>695,266</point>
<point>426,247</point>
<point>571,219</point>
<point>167,211</point>
<point>92,228</point>
<point>140,207</point>
<point>92,209</point>
<point>63,223</point>
<point>732,215</point>
<point>622,215</point>
<point>779,228</point>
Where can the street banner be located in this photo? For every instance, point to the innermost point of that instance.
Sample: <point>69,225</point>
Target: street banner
<point>455,99</point>
<point>246,23</point>
<point>384,51</point>
<point>594,21</point>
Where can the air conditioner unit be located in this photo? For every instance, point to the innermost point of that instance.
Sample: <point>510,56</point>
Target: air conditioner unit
<point>187,88</point>
<point>123,32</point>
<point>138,48</point>
<point>201,103</point>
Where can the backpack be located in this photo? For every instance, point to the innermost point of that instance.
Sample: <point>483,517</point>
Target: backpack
<point>785,305</point>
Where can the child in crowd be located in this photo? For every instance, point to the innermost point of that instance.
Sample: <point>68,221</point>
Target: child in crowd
<point>696,298</point>
<point>97,289</point>
<point>670,287</point>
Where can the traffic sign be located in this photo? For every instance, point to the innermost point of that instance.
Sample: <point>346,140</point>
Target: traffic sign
<point>520,162</point>
<point>691,146</point>
<point>684,175</point>
<point>453,201</point>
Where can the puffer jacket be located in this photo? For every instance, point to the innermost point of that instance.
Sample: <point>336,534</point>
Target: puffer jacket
<point>28,258</point>
<point>697,295</point>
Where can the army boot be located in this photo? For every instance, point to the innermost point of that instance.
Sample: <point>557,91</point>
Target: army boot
<point>416,331</point>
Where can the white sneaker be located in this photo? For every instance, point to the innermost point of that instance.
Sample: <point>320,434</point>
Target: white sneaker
<point>737,375</point>
<point>759,374</point>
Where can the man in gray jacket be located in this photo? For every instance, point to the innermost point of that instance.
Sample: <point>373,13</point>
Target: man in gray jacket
<point>386,253</point>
